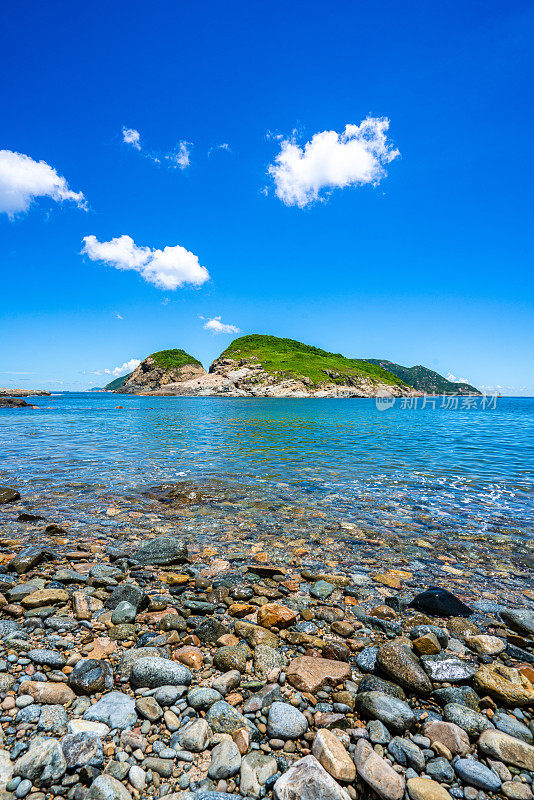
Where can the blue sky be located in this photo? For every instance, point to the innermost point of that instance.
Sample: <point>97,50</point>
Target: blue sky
<point>425,258</point>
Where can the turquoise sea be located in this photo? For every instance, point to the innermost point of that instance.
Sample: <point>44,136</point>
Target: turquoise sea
<point>452,468</point>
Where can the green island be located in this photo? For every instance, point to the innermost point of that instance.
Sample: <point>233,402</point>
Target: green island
<point>173,359</point>
<point>289,358</point>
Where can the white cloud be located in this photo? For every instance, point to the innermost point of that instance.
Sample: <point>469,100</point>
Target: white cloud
<point>119,316</point>
<point>454,379</point>
<point>224,147</point>
<point>132,137</point>
<point>180,158</point>
<point>215,326</point>
<point>124,369</point>
<point>167,269</point>
<point>330,160</point>
<point>22,179</point>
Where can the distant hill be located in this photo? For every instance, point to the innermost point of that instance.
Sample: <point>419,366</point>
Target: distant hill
<point>117,383</point>
<point>424,379</point>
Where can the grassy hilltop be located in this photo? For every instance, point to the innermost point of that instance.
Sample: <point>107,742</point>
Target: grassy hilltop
<point>290,358</point>
<point>167,359</point>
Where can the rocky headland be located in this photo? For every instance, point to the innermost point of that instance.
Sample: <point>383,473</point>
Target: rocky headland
<point>265,366</point>
<point>158,667</point>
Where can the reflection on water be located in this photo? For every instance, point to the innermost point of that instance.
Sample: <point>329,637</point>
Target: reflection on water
<point>418,468</point>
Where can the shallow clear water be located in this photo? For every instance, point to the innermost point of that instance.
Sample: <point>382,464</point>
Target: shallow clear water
<point>419,468</point>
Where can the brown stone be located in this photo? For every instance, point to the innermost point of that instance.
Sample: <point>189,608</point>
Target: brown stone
<point>331,754</point>
<point>506,683</point>
<point>311,674</point>
<point>48,693</point>
<point>427,645</point>
<point>452,736</point>
<point>501,746</point>
<point>45,597</point>
<point>274,615</point>
<point>377,772</point>
<point>190,656</point>
<point>426,789</point>
<point>241,610</point>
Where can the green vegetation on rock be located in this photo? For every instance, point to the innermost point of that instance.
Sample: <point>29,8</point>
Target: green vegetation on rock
<point>173,359</point>
<point>424,379</point>
<point>289,358</point>
<point>117,382</point>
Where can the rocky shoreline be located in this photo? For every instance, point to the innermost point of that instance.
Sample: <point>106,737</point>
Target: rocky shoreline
<point>160,666</point>
<point>246,378</point>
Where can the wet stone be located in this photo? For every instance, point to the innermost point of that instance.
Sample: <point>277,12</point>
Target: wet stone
<point>476,774</point>
<point>82,749</point>
<point>151,672</point>
<point>90,676</point>
<point>400,663</point>
<point>446,667</point>
<point>395,714</point>
<point>285,722</point>
<point>164,550</point>
<point>115,709</point>
<point>473,722</point>
<point>441,603</point>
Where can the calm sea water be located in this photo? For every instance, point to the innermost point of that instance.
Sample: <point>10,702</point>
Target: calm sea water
<point>427,467</point>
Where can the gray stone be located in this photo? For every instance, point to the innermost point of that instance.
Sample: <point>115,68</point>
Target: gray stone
<point>53,719</point>
<point>512,726</point>
<point>476,774</point>
<point>168,695</point>
<point>256,769</point>
<point>306,779</point>
<point>105,787</point>
<point>447,667</point>
<point>267,659</point>
<point>473,722</point>
<point>224,718</point>
<point>152,672</point>
<point>82,749</point>
<point>406,753</point>
<point>377,772</point>
<point>195,736</point>
<point>263,699</point>
<point>126,592</point>
<point>123,612</point>
<point>128,658</point>
<point>366,659</point>
<point>394,713</point>
<point>202,697</point>
<point>48,658</point>
<point>378,733</point>
<point>463,695</point>
<point>114,709</point>
<point>400,663</point>
<point>285,722</point>
<point>43,764</point>
<point>521,619</point>
<point>227,682</point>
<point>321,589</point>
<point>440,770</point>
<point>225,760</point>
<point>137,777</point>
<point>163,550</point>
<point>6,769</point>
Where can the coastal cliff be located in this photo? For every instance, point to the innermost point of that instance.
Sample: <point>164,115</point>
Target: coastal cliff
<point>160,370</point>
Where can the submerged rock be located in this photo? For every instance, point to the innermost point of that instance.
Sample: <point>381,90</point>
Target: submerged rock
<point>440,603</point>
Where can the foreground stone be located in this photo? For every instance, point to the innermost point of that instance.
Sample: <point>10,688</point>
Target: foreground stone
<point>311,674</point>
<point>426,789</point>
<point>503,747</point>
<point>377,772</point>
<point>308,780</point>
<point>163,550</point>
<point>331,754</point>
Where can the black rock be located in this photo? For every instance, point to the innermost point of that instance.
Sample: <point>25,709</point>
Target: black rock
<point>14,402</point>
<point>8,494</point>
<point>162,551</point>
<point>29,558</point>
<point>130,592</point>
<point>441,603</point>
<point>91,675</point>
<point>24,516</point>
